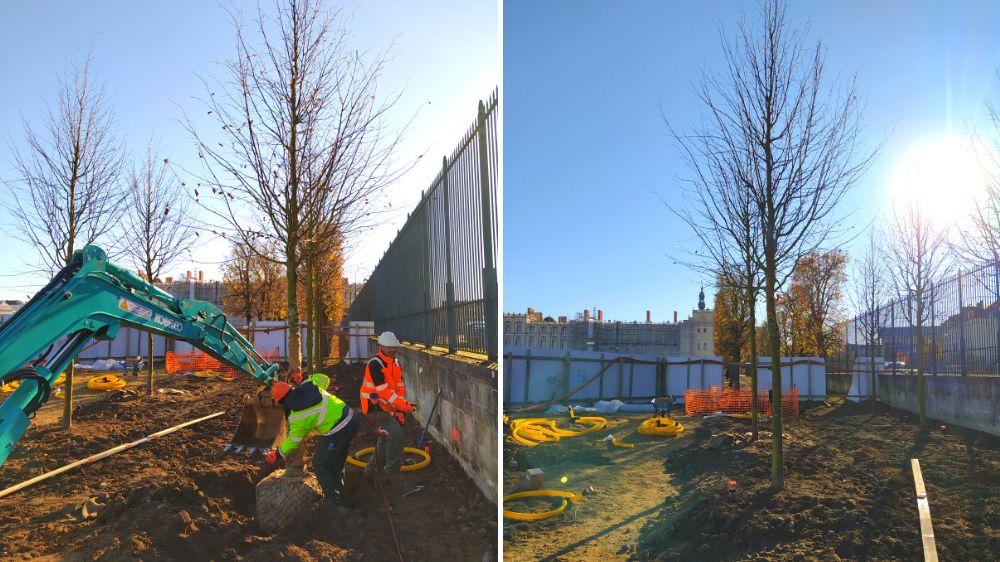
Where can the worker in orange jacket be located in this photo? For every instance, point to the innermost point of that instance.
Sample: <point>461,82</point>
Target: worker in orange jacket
<point>383,397</point>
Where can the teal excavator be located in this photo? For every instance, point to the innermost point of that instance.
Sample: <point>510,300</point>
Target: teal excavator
<point>91,299</point>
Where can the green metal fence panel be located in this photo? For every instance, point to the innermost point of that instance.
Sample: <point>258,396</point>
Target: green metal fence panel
<point>436,285</point>
<point>951,328</point>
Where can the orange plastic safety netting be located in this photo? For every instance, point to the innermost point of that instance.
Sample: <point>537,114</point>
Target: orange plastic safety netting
<point>199,361</point>
<point>736,401</point>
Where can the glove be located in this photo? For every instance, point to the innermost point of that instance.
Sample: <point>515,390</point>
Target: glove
<point>272,456</point>
<point>296,377</point>
<point>400,418</point>
<point>408,407</point>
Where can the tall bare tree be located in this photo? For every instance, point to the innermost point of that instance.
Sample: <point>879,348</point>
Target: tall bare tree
<point>720,212</point>
<point>157,225</point>
<point>792,137</point>
<point>66,191</point>
<point>306,146</point>
<point>918,254</point>
<point>869,294</point>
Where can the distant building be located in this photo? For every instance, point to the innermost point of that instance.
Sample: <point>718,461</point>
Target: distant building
<point>191,287</point>
<point>534,331</point>
<point>590,332</point>
<point>8,308</point>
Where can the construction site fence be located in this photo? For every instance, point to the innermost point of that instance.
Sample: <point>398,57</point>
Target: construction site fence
<point>436,285</point>
<point>533,376</point>
<point>726,400</point>
<point>199,361</point>
<point>951,327</point>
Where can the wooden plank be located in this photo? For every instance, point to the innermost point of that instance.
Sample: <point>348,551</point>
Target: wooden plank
<point>924,509</point>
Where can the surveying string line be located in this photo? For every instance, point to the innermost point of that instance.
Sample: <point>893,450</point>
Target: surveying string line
<point>388,515</point>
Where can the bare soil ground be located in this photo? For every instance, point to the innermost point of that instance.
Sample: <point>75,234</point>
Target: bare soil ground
<point>181,498</point>
<point>849,492</point>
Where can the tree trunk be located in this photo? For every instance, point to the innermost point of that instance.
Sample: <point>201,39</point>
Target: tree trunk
<point>310,263</point>
<point>294,350</point>
<point>754,405</point>
<point>777,453</point>
<point>319,316</point>
<point>919,332</point>
<point>149,364</point>
<point>68,393</point>
<point>874,376</point>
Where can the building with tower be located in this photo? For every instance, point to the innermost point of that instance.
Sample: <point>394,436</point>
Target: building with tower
<point>589,331</point>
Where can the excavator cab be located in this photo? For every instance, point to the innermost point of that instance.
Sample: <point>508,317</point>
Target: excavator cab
<point>262,425</point>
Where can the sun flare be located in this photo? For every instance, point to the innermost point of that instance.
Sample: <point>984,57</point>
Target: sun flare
<point>943,178</point>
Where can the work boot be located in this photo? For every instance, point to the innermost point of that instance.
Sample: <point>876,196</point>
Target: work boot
<point>342,500</point>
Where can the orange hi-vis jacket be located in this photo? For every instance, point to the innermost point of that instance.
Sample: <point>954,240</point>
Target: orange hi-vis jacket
<point>384,378</point>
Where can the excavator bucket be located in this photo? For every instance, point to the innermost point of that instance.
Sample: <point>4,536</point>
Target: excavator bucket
<point>262,427</point>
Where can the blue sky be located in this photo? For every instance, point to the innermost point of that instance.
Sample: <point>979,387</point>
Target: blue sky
<point>149,60</point>
<point>586,149</point>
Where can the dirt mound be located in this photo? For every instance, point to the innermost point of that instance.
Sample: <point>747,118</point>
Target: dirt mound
<point>848,493</point>
<point>180,497</point>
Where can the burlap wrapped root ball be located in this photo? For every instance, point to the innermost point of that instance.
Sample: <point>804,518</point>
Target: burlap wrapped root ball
<point>281,498</point>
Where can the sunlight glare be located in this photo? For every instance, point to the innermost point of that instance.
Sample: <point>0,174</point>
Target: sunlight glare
<point>943,177</point>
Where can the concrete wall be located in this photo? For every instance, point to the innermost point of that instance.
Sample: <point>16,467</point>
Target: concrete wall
<point>971,402</point>
<point>466,417</point>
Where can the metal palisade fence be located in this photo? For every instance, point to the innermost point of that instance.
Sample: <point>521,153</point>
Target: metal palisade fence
<point>436,285</point>
<point>953,328</point>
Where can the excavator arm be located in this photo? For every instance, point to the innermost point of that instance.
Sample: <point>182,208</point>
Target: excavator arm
<point>92,299</point>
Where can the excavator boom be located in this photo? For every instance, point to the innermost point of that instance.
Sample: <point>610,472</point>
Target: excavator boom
<point>92,299</point>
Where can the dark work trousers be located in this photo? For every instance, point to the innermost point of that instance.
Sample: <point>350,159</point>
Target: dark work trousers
<point>389,451</point>
<point>329,458</point>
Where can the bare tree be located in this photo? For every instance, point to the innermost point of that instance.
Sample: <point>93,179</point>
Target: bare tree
<point>918,253</point>
<point>868,295</point>
<point>978,239</point>
<point>66,192</point>
<point>792,136</point>
<point>306,146</point>
<point>157,225</point>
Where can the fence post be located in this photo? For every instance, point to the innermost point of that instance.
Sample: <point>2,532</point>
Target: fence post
<point>490,289</point>
<point>961,327</point>
<point>450,286</point>
<point>527,374</point>
<point>892,319</point>
<point>996,316</point>
<point>566,371</point>
<point>430,331</point>
<point>933,335</point>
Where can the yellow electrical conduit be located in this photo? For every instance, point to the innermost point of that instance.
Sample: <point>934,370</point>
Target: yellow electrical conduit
<point>532,431</point>
<point>539,493</point>
<point>353,459</point>
<point>664,427</point>
<point>105,382</point>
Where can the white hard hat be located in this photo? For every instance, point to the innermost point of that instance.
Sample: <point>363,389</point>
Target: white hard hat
<point>388,339</point>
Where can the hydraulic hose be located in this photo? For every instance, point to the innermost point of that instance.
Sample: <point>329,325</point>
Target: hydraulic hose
<point>41,395</point>
<point>664,427</point>
<point>532,431</point>
<point>105,382</point>
<point>353,459</point>
<point>521,516</point>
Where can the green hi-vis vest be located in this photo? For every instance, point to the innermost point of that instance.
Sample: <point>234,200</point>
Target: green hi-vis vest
<point>321,418</point>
